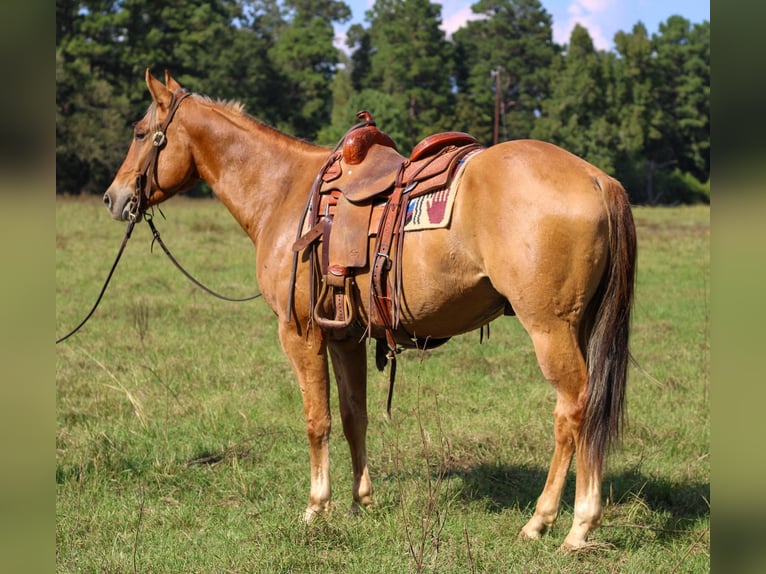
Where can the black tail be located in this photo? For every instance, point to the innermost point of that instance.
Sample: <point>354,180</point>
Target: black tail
<point>607,352</point>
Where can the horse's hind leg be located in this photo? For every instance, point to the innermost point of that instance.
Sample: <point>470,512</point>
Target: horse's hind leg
<point>308,357</point>
<point>563,365</point>
<point>349,361</point>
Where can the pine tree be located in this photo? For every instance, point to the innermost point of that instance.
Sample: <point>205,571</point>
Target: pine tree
<point>402,66</point>
<point>514,39</point>
<point>641,138</point>
<point>683,61</point>
<point>577,116</point>
<point>306,58</point>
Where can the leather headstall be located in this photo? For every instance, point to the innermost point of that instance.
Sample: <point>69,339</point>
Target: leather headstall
<point>148,173</point>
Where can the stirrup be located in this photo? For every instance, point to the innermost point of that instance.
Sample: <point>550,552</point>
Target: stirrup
<point>344,305</point>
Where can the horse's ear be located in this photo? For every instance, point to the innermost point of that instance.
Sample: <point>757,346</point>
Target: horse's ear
<point>170,83</point>
<point>160,94</point>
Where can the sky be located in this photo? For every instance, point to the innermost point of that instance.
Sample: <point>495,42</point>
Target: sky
<point>602,18</point>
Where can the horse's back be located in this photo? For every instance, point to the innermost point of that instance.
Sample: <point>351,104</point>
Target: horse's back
<point>522,187</point>
<point>530,173</point>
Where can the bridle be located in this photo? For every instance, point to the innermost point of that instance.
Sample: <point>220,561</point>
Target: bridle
<point>137,209</point>
<point>148,173</point>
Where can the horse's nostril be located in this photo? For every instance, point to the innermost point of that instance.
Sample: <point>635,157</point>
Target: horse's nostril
<point>107,200</point>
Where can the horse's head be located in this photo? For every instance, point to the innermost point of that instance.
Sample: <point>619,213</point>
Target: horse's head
<point>159,163</point>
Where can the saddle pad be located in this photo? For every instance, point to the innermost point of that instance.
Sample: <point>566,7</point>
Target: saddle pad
<point>434,209</point>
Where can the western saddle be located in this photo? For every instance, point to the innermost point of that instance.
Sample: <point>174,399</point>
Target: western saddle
<point>363,191</point>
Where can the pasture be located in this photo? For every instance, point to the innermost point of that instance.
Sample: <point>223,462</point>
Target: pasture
<point>181,442</point>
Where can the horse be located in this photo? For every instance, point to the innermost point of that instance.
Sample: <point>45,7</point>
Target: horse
<point>534,229</point>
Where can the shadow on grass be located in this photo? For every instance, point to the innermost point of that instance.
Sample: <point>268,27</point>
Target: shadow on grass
<point>503,486</point>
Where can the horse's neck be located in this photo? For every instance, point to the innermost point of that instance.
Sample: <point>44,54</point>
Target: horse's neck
<point>261,175</point>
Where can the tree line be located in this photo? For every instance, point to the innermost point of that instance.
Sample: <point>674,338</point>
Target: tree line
<point>640,111</point>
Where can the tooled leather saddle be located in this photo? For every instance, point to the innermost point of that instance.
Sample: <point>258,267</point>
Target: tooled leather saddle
<point>362,192</point>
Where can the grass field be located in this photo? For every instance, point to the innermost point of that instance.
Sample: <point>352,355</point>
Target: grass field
<point>181,442</point>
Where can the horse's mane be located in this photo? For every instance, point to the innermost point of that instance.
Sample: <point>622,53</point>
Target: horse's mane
<point>235,106</point>
<point>239,108</point>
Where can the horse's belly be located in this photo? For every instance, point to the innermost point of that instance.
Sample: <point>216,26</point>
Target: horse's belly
<point>443,292</point>
<point>449,308</point>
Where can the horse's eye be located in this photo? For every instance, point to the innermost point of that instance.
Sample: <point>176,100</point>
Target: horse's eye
<point>139,133</point>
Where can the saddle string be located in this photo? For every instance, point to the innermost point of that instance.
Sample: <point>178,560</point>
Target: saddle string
<point>309,206</point>
<point>158,239</point>
<point>128,232</point>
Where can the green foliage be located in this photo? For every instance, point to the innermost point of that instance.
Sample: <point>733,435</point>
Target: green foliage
<point>275,57</point>
<point>639,112</point>
<point>683,187</point>
<point>405,61</point>
<point>575,116</point>
<point>516,38</point>
<point>683,60</point>
<point>305,56</point>
<point>181,443</point>
<point>89,126</point>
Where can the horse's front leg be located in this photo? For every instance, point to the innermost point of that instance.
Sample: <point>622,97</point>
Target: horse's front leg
<point>308,356</point>
<point>349,361</point>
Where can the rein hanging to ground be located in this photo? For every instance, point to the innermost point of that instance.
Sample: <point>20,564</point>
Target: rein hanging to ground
<point>156,237</point>
<point>128,231</point>
<point>137,210</point>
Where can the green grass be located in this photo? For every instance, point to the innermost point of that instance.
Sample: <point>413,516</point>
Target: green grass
<point>181,442</point>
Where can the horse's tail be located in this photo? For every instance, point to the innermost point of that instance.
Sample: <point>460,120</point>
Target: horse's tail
<point>607,353</point>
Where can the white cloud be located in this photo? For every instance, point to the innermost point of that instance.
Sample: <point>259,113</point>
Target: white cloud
<point>454,18</point>
<point>591,15</point>
<point>594,15</point>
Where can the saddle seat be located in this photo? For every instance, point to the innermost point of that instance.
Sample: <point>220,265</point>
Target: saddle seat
<point>377,173</point>
<point>363,191</point>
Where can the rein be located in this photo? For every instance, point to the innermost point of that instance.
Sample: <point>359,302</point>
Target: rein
<point>129,230</point>
<point>156,237</point>
<point>188,275</point>
<point>137,210</point>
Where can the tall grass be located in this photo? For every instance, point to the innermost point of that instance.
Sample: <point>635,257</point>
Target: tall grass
<point>181,442</point>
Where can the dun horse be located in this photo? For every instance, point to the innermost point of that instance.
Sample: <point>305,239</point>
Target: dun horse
<point>535,231</point>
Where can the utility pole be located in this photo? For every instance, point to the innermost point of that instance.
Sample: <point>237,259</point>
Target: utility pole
<point>496,75</point>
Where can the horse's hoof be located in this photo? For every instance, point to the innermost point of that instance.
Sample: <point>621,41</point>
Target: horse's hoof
<point>531,535</point>
<point>533,530</point>
<point>311,515</point>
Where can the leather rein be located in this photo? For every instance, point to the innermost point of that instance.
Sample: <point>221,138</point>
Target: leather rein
<point>138,207</point>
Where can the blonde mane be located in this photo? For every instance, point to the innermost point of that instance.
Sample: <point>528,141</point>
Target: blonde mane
<point>234,105</point>
<point>238,108</point>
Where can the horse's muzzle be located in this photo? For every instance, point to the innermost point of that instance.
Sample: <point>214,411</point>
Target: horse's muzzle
<point>118,205</point>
